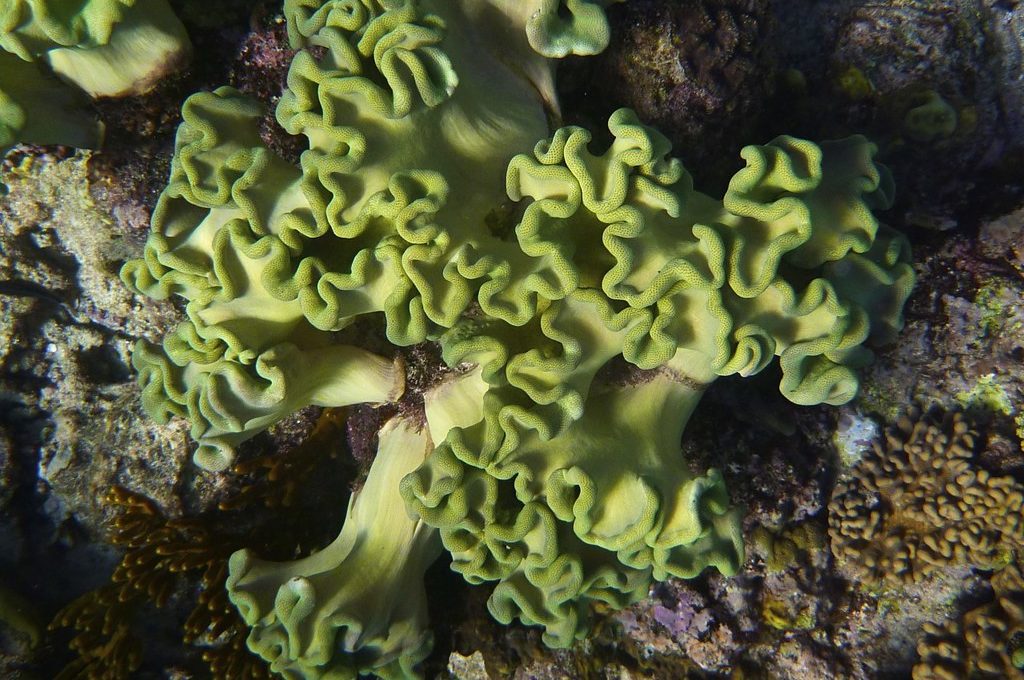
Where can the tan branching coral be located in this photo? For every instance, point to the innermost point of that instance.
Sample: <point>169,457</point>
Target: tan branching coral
<point>105,646</point>
<point>157,551</point>
<point>987,642</point>
<point>919,502</point>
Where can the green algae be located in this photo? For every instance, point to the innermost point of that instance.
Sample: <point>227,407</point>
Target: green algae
<point>988,395</point>
<point>16,613</point>
<point>778,615</point>
<point>855,84</point>
<point>931,120</point>
<point>991,298</point>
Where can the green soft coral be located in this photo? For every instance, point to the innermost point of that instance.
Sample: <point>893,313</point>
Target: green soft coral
<point>248,354</point>
<point>585,299</point>
<point>542,463</point>
<point>590,514</point>
<point>310,618</point>
<point>558,28</point>
<point>108,48</point>
<point>38,109</point>
<point>54,54</point>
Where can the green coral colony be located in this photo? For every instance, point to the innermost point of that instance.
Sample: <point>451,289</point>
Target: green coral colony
<point>584,299</point>
<point>56,54</point>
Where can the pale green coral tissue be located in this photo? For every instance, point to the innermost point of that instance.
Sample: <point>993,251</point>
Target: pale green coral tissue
<point>584,299</point>
<point>358,605</point>
<point>54,54</point>
<point>35,107</point>
<point>108,48</point>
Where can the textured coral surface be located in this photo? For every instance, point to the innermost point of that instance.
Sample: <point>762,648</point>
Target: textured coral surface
<point>986,642</point>
<point>918,502</point>
<point>936,85</point>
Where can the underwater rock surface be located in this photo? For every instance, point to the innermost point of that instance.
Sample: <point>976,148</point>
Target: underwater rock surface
<point>938,85</point>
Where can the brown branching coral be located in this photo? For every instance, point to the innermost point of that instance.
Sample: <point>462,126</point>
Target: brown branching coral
<point>103,641</point>
<point>157,551</point>
<point>987,642</point>
<point>919,502</point>
<point>233,661</point>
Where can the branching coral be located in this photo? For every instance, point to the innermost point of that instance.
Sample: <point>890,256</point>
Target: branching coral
<point>157,551</point>
<point>987,642</point>
<point>918,502</point>
<point>584,298</point>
